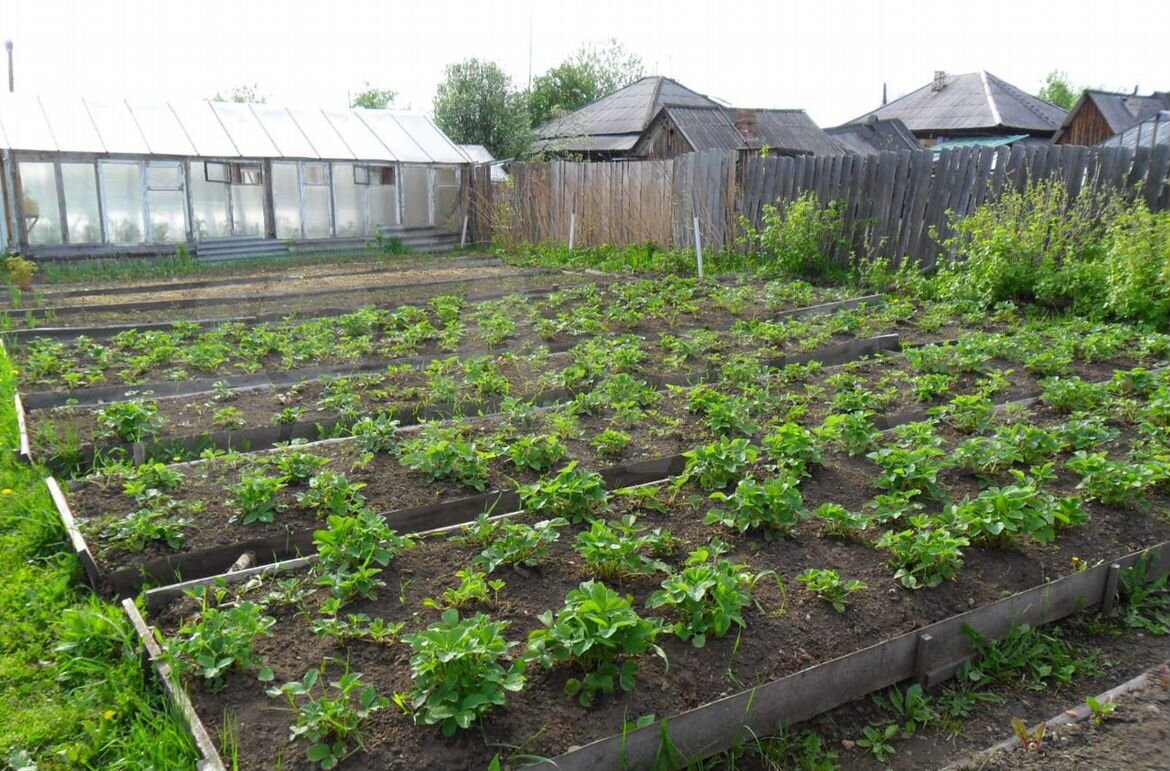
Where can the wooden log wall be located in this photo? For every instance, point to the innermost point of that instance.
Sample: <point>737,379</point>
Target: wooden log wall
<point>896,205</point>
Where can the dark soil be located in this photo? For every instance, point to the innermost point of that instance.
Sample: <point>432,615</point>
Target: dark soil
<point>790,631</point>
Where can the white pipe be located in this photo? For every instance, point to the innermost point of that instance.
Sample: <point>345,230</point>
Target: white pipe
<point>572,229</point>
<point>463,238</point>
<point>698,248</point>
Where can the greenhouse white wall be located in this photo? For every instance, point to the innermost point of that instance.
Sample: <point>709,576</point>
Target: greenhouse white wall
<point>86,176</point>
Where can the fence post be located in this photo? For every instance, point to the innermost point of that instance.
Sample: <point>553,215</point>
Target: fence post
<point>698,247</point>
<point>572,227</point>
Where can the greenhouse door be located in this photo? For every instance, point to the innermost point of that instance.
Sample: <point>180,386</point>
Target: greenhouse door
<point>227,200</point>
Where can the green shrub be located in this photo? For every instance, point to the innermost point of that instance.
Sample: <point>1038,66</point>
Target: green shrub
<point>801,239</point>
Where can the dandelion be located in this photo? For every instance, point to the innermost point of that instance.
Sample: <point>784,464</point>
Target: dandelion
<point>109,714</point>
<point>6,491</point>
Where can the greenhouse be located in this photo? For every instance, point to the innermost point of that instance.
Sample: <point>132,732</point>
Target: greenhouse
<point>85,176</point>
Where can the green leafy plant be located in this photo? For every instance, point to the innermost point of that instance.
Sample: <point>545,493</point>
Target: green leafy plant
<point>352,551</point>
<point>913,707</point>
<point>774,507</point>
<point>443,453</point>
<point>539,452</point>
<point>151,480</point>
<point>1028,656</point>
<point>256,497</point>
<point>473,586</point>
<point>327,721</point>
<point>331,494</point>
<point>599,633</point>
<point>219,638</point>
<point>715,466</point>
<point>793,447</point>
<point>573,495</point>
<point>1112,482</point>
<point>376,433</point>
<point>456,671</point>
<point>709,595</point>
<point>924,555</point>
<point>231,418</point>
<point>615,550</point>
<point>298,466</point>
<point>853,432</point>
<point>830,587</point>
<point>909,469</point>
<point>131,421</point>
<point>154,523</point>
<point>879,740</point>
<point>611,443</point>
<point>515,543</point>
<point>1100,708</point>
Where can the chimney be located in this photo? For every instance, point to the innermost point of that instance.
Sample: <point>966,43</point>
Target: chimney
<point>884,100</point>
<point>939,81</point>
<point>745,122</point>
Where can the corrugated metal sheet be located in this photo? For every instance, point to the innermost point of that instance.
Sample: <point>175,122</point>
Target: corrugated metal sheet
<point>1152,132</point>
<point>975,101</point>
<point>996,141</point>
<point>586,144</point>
<point>874,137</point>
<point>220,129</point>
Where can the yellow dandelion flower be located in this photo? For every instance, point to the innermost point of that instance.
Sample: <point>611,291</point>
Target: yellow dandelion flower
<point>109,714</point>
<point>6,491</point>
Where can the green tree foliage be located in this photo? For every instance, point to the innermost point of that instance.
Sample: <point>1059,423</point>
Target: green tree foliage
<point>585,76</point>
<point>373,98</point>
<point>477,104</point>
<point>244,94</point>
<point>1059,90</point>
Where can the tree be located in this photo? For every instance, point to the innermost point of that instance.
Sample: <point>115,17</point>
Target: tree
<point>477,104</point>
<point>587,75</point>
<point>373,98</point>
<point>1059,90</point>
<point>242,94</point>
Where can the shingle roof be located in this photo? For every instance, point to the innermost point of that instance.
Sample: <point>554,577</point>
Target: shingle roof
<point>724,128</point>
<point>872,137</point>
<point>1151,132</point>
<point>614,122</point>
<point>1119,110</point>
<point>974,101</point>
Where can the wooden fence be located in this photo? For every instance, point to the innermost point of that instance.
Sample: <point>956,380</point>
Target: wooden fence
<point>895,204</point>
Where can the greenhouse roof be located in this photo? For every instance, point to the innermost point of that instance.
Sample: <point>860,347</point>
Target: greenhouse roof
<point>219,130</point>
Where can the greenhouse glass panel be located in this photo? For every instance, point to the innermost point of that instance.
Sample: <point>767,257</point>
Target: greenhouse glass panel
<point>430,139</point>
<point>245,131</point>
<point>162,130</point>
<point>168,216</point>
<point>283,130</point>
<point>24,123</point>
<point>358,137</point>
<point>209,207</point>
<point>320,133</point>
<point>122,196</point>
<point>247,210</point>
<point>42,215</point>
<point>205,130</point>
<point>116,127</point>
<point>163,176</point>
<point>393,135</point>
<point>318,220</point>
<point>448,198</point>
<point>72,128</point>
<point>349,202</point>
<point>286,200</point>
<point>81,203</point>
<point>416,198</point>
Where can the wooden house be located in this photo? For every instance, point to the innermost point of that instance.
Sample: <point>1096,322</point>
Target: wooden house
<point>676,130</point>
<point>1098,115</point>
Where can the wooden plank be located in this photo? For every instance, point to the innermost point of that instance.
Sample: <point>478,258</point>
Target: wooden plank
<point>883,197</point>
<point>926,249</point>
<point>921,170</point>
<point>1017,169</point>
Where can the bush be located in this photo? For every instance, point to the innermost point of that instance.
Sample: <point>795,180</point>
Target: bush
<point>801,239</point>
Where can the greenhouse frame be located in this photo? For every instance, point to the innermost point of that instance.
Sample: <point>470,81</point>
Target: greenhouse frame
<point>89,177</point>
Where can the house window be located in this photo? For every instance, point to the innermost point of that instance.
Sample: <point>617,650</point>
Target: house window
<point>235,173</point>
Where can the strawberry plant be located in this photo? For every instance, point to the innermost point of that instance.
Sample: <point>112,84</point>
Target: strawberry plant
<point>231,418</point>
<point>329,722</point>
<point>288,416</point>
<point>255,496</point>
<point>924,555</point>
<point>537,452</point>
<point>1072,394</point>
<point>132,421</point>
<point>708,594</point>
<point>830,587</point>
<point>775,507</point>
<point>906,469</point>
<point>331,494</point>
<point>375,434</point>
<point>358,626</point>
<point>151,480</point>
<point>966,413</point>
<point>1085,433</point>
<point>473,587</point>
<point>853,432</point>
<point>219,638</point>
<point>599,632</point>
<point>999,516</point>
<point>614,550</point>
<point>573,495</point>
<point>792,447</point>
<point>352,551</point>
<point>147,525</point>
<point>840,522</point>
<point>456,671</point>
<point>515,543</point>
<point>715,466</point>
<point>611,443</point>
<point>1114,483</point>
<point>443,453</point>
<point>298,466</point>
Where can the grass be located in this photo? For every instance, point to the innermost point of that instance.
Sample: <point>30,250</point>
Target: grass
<point>73,691</point>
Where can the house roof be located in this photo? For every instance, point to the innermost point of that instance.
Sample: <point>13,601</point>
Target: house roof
<point>614,122</point>
<point>874,136</point>
<point>1119,110</point>
<point>1151,132</point>
<point>722,128</point>
<point>974,101</point>
<point>219,130</point>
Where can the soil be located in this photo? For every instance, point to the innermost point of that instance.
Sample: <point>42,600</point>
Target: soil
<point>545,722</point>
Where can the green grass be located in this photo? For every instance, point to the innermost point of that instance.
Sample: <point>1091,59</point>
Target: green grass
<point>73,691</point>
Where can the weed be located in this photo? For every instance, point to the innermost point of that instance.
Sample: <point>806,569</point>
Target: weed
<point>830,587</point>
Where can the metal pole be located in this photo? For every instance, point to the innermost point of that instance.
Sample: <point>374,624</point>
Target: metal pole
<point>463,239</point>
<point>11,75</point>
<point>572,229</point>
<point>698,247</point>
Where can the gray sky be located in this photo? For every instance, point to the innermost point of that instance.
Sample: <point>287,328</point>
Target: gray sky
<point>827,56</point>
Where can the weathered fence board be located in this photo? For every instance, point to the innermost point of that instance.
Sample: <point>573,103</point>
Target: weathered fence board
<point>895,205</point>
